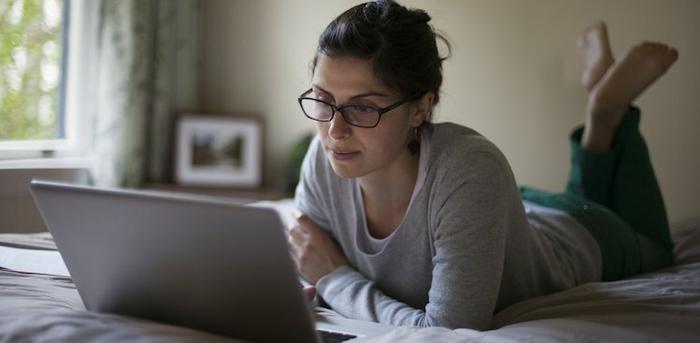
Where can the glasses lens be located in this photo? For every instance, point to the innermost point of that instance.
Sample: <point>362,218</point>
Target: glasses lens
<point>365,116</point>
<point>316,109</point>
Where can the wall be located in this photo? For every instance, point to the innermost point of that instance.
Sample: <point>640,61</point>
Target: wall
<point>514,76</point>
<point>18,213</point>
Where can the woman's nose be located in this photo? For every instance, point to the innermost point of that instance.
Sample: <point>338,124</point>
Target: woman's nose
<point>338,128</point>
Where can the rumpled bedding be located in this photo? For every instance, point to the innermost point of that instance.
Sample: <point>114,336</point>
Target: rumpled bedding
<point>660,306</point>
<point>45,308</point>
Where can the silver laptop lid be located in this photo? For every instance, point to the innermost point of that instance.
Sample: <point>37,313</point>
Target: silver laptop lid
<point>208,265</point>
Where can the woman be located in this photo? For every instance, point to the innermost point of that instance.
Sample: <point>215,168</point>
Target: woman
<point>405,222</point>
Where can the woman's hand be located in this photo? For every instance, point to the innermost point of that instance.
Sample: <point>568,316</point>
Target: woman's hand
<point>314,251</point>
<point>310,292</point>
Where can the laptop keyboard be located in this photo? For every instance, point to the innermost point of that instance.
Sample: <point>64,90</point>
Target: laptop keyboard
<point>333,337</point>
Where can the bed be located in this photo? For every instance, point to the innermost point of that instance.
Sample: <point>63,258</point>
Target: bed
<point>662,306</point>
<point>659,306</point>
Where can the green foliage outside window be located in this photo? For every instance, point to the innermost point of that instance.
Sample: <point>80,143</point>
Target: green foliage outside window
<point>30,68</point>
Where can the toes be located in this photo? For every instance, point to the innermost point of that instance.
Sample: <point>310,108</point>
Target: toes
<point>672,54</point>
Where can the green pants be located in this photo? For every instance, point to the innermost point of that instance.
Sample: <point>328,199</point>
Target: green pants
<point>616,197</point>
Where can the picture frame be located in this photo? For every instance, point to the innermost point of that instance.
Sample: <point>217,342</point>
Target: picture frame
<point>218,150</point>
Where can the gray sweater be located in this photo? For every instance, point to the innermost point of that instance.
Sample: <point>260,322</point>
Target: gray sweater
<point>467,247</point>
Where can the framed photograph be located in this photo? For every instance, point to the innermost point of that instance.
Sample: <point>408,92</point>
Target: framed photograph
<point>220,150</point>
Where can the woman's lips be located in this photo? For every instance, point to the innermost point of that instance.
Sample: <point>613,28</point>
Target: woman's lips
<point>344,155</point>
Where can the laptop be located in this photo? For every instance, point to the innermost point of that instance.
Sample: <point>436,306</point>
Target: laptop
<point>206,264</point>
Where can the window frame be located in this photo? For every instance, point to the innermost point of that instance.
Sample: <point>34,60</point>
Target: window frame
<point>74,129</point>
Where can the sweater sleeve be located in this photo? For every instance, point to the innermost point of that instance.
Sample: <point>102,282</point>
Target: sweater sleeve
<point>468,221</point>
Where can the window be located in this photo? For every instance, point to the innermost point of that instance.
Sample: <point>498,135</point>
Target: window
<point>38,115</point>
<point>32,64</point>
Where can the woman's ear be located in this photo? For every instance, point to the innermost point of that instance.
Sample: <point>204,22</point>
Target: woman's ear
<point>423,107</point>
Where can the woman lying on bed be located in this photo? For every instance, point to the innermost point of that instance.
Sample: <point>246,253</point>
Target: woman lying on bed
<point>411,223</point>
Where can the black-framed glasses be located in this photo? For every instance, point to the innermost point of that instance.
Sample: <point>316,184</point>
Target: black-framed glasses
<point>356,115</point>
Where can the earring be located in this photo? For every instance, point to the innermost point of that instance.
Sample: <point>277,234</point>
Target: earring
<point>414,144</point>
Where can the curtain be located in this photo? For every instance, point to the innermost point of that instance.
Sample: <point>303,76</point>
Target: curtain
<point>147,67</point>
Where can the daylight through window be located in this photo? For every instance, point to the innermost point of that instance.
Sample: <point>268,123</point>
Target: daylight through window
<point>31,85</point>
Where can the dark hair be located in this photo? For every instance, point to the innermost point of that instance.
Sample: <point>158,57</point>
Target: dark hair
<point>398,41</point>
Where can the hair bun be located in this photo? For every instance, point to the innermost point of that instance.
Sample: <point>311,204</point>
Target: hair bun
<point>420,16</point>
<point>391,10</point>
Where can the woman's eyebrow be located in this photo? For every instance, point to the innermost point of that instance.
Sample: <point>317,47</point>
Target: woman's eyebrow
<point>367,94</point>
<point>361,95</point>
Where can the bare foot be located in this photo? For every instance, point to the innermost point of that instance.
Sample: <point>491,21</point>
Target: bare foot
<point>594,49</point>
<point>623,83</point>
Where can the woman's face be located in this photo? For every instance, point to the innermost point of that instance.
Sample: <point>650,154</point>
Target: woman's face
<point>355,151</point>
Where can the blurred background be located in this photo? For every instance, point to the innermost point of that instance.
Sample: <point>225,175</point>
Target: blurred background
<point>123,70</point>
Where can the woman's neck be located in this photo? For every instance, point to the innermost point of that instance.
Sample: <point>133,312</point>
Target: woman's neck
<point>387,193</point>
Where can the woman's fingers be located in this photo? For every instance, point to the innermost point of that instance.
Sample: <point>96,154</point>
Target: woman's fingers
<point>294,232</point>
<point>299,240</point>
<point>295,240</point>
<point>306,224</point>
<point>313,250</point>
<point>310,292</point>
